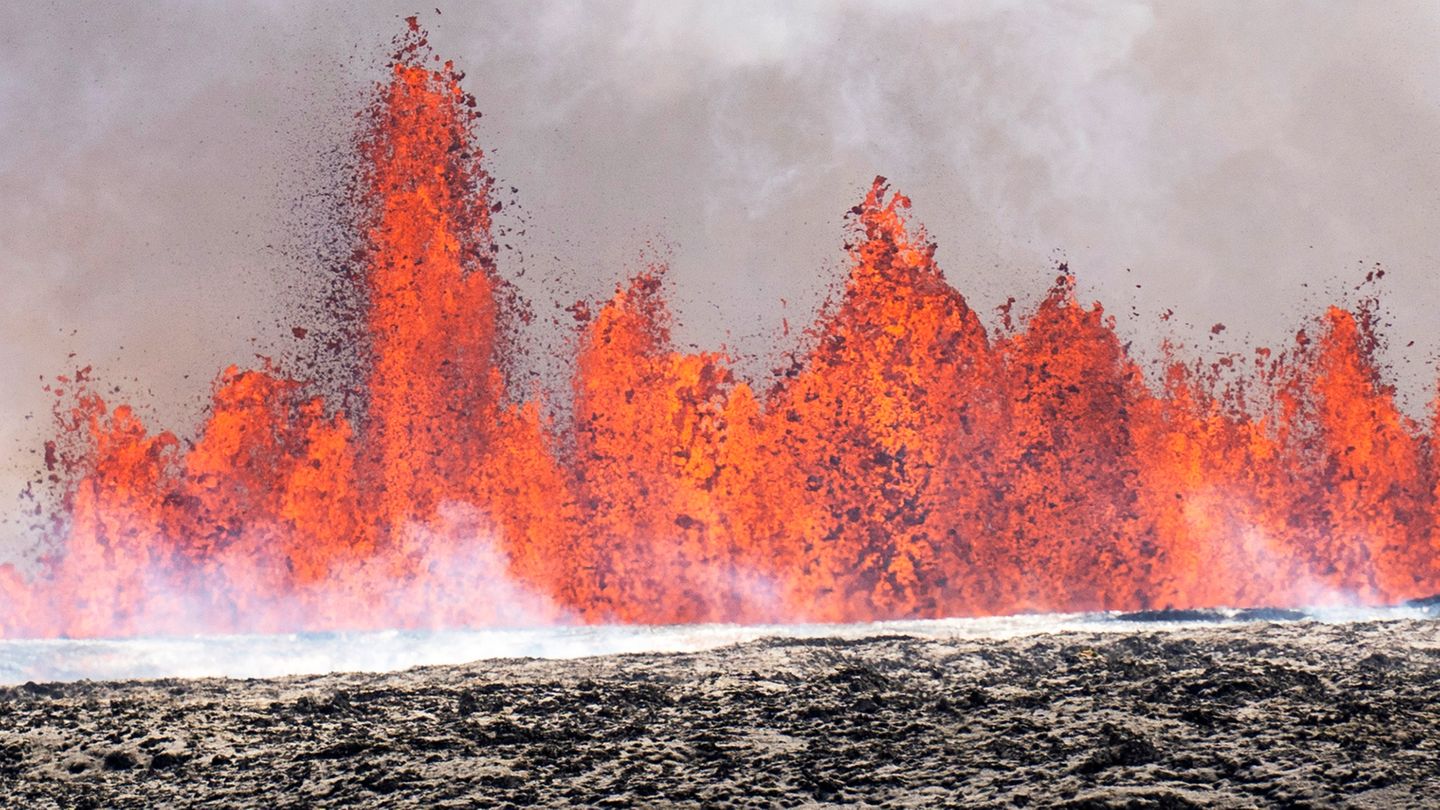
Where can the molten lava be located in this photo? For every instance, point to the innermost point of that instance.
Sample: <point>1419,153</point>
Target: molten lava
<point>910,464</point>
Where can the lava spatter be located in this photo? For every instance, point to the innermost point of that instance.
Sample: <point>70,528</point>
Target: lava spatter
<point>910,464</point>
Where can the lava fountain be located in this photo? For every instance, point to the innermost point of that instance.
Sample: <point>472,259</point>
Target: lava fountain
<point>909,464</point>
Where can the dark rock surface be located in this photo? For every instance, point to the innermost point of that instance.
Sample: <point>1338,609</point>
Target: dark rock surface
<point>1242,715</point>
<point>1431,604</point>
<point>1191,615</point>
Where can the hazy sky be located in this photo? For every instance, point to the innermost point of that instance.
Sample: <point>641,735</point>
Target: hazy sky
<point>155,160</point>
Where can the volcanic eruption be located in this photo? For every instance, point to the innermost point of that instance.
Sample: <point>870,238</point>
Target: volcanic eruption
<point>909,462</point>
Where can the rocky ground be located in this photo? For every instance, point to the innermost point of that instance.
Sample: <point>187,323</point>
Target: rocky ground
<point>1254,714</point>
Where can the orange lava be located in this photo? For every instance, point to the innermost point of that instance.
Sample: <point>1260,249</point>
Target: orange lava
<point>910,464</point>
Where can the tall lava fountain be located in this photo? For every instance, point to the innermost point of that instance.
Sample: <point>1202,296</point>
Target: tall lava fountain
<point>910,463</point>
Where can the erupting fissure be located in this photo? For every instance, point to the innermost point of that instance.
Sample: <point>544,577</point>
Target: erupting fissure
<point>910,464</point>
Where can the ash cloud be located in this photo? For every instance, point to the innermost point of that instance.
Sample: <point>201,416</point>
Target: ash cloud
<point>1221,157</point>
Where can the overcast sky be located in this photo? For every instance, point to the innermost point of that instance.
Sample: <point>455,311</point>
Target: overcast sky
<point>155,160</point>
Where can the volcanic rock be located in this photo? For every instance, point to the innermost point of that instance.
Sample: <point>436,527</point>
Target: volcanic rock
<point>1269,614</point>
<point>1173,615</point>
<point>1431,604</point>
<point>1228,715</point>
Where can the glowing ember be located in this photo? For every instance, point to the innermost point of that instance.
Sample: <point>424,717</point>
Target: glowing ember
<point>910,465</point>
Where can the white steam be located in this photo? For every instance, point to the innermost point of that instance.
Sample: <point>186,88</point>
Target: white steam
<point>260,656</point>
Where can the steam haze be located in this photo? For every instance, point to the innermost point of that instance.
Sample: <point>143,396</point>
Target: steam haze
<point>1242,164</point>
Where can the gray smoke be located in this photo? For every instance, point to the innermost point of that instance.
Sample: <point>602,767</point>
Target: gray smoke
<point>1241,163</point>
